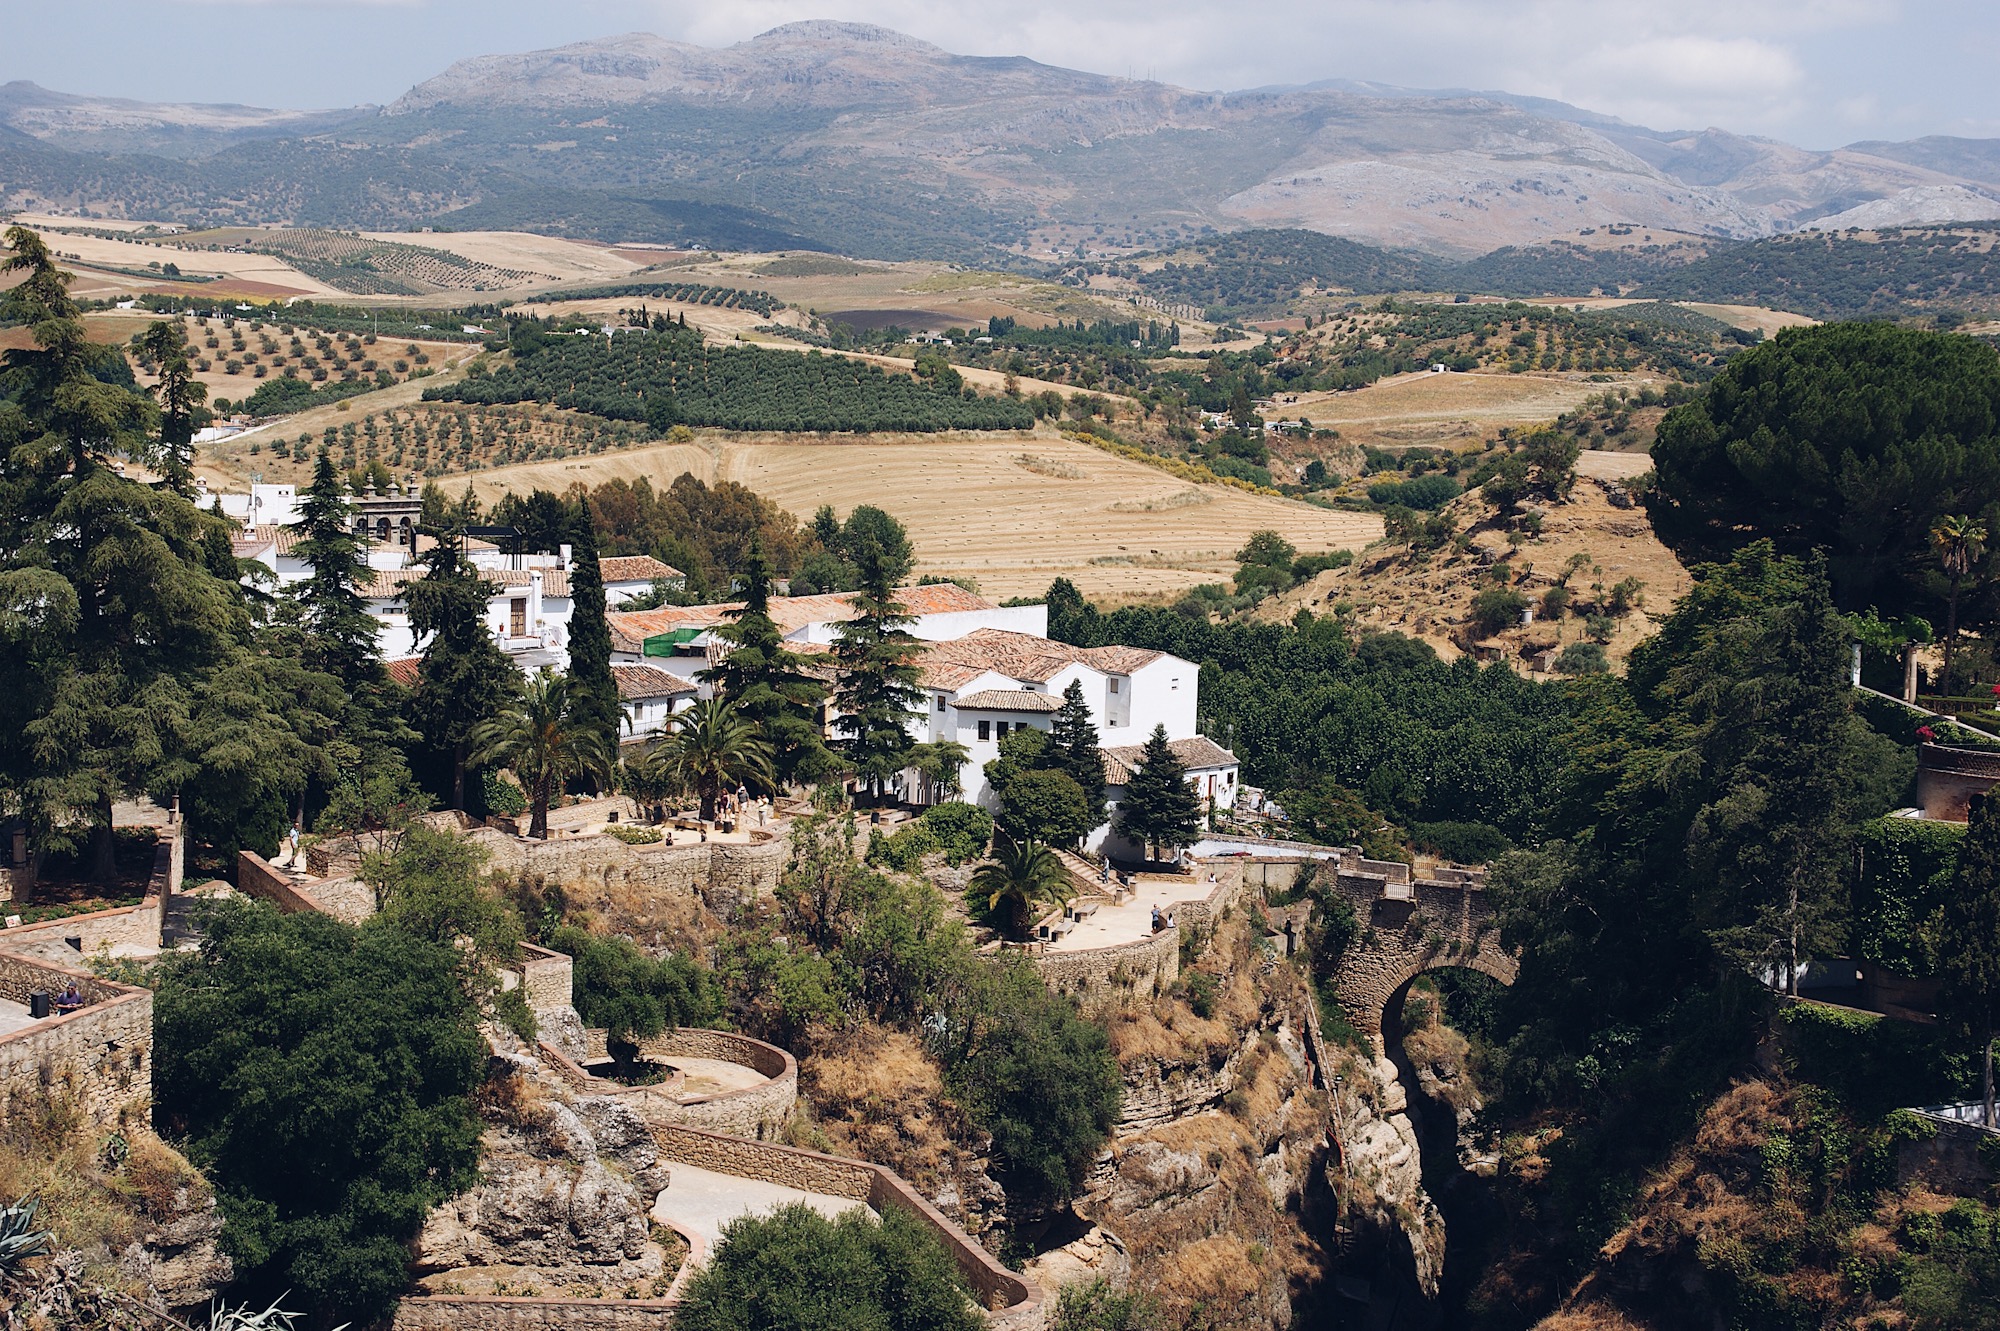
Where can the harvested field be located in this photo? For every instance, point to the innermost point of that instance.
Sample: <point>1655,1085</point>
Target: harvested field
<point>869,320</point>
<point>549,256</point>
<point>1445,409</point>
<point>972,508</point>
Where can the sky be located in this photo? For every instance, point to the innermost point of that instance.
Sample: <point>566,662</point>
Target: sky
<point>1818,73</point>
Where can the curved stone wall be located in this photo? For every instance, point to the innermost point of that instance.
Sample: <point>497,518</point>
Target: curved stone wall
<point>758,1112</point>
<point>1948,778</point>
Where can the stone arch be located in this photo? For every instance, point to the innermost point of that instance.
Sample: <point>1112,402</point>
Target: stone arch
<point>1411,929</point>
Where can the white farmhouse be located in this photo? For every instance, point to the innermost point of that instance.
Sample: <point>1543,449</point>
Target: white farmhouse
<point>648,696</point>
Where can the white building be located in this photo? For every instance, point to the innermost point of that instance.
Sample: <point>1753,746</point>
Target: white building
<point>984,686</point>
<point>527,612</point>
<point>649,696</point>
<point>627,576</point>
<point>681,638</point>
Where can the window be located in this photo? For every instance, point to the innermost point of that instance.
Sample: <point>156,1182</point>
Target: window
<point>940,702</point>
<point>999,730</point>
<point>986,730</point>
<point>1114,686</point>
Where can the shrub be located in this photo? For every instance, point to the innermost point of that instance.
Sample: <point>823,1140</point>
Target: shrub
<point>620,988</point>
<point>1430,491</point>
<point>796,1270</point>
<point>1497,608</point>
<point>961,830</point>
<point>1583,658</point>
<point>634,836</point>
<point>1462,843</point>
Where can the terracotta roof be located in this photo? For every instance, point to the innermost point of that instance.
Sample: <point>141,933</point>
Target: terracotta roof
<point>635,568</point>
<point>1021,656</point>
<point>643,681</point>
<point>249,547</point>
<point>630,628</point>
<point>283,537</point>
<point>1009,700</point>
<point>388,583</point>
<point>404,670</point>
<point>1195,752</point>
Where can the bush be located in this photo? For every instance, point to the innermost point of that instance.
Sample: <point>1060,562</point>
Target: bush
<point>1461,843</point>
<point>1430,491</point>
<point>628,993</point>
<point>1497,608</point>
<point>961,830</point>
<point>1307,566</point>
<point>1874,1065</point>
<point>634,836</point>
<point>1583,658</point>
<point>796,1270</point>
<point>1100,1306</point>
<point>501,796</point>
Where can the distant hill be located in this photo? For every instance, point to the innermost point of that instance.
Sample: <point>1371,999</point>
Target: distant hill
<point>883,146</point>
<point>597,215</point>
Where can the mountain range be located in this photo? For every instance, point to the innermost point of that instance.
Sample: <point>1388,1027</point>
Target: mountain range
<point>857,138</point>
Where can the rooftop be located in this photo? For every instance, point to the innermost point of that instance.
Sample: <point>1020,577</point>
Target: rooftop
<point>635,568</point>
<point>636,682</point>
<point>1009,700</point>
<point>1022,656</point>
<point>631,628</point>
<point>1196,753</point>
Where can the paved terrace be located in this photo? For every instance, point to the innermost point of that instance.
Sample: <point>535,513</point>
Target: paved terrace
<point>1110,926</point>
<point>703,1202</point>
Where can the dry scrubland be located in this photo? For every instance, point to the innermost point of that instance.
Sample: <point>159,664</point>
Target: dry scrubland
<point>1013,512</point>
<point>1447,410</point>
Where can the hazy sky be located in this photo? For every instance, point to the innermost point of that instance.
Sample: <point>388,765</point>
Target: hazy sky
<point>1815,72</point>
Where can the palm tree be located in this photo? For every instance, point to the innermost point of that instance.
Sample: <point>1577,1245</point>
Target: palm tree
<point>941,764</point>
<point>546,736</point>
<point>709,748</point>
<point>1022,873</point>
<point>1959,541</point>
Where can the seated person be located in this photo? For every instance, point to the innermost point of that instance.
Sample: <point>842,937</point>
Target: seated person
<point>70,999</point>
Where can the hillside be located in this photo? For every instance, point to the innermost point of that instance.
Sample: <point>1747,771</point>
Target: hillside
<point>864,140</point>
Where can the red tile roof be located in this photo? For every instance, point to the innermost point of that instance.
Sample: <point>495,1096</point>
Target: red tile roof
<point>405,670</point>
<point>1022,656</point>
<point>1009,700</point>
<point>630,628</point>
<point>635,568</point>
<point>636,682</point>
<point>1196,752</point>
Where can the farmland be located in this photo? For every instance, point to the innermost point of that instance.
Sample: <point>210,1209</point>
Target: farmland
<point>1013,513</point>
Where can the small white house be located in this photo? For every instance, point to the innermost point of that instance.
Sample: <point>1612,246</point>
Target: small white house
<point>649,696</point>
<point>1211,769</point>
<point>627,576</point>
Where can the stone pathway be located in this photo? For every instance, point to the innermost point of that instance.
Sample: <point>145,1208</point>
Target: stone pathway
<point>704,1201</point>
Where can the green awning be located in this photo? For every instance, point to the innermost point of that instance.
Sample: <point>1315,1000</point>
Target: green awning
<point>669,644</point>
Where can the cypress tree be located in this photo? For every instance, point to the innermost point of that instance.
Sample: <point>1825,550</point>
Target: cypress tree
<point>591,681</point>
<point>1160,810</point>
<point>465,677</point>
<point>181,396</point>
<point>767,682</point>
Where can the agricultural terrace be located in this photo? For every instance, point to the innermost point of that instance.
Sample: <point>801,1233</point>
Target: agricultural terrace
<point>438,439</point>
<point>672,377</point>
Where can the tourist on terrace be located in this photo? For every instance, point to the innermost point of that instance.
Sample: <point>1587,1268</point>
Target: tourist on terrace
<point>70,999</point>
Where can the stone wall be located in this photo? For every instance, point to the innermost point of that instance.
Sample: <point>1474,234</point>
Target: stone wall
<point>101,1054</point>
<point>757,1112</point>
<point>258,877</point>
<point>1956,1159</point>
<point>1105,976</point>
<point>348,900</point>
<point>1410,927</point>
<point>471,1312</point>
<point>545,976</point>
<point>1948,778</point>
<point>723,874</point>
<point>1011,1302</point>
<point>131,927</point>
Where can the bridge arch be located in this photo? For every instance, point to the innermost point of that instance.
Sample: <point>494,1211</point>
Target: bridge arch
<point>1408,926</point>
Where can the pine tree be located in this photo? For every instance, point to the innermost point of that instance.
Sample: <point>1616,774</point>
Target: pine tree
<point>1969,941</point>
<point>875,689</point>
<point>767,682</point>
<point>341,636</point>
<point>1160,811</point>
<point>595,689</point>
<point>465,677</point>
<point>1074,752</point>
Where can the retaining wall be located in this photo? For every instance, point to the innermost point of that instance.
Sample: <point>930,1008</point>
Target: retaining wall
<point>1012,1302</point>
<point>1101,976</point>
<point>1948,778</point>
<point>134,927</point>
<point>757,1112</point>
<point>472,1312</point>
<point>723,874</point>
<point>101,1054</point>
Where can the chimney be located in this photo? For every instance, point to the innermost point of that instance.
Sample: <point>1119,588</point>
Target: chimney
<point>563,554</point>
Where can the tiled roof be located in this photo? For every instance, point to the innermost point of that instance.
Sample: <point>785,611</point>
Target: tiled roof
<point>388,583</point>
<point>1021,656</point>
<point>630,628</point>
<point>405,670</point>
<point>643,681</point>
<point>283,537</point>
<point>1195,752</point>
<point>1009,700</point>
<point>635,568</point>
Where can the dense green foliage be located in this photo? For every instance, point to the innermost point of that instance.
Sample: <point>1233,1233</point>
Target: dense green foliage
<point>672,377</point>
<point>796,1270</point>
<point>1904,869</point>
<point>1851,438</point>
<point>685,293</point>
<point>1304,702</point>
<point>1829,275</point>
<point>705,531</point>
<point>1160,810</point>
<point>957,831</point>
<point>631,995</point>
<point>1256,271</point>
<point>321,1076</point>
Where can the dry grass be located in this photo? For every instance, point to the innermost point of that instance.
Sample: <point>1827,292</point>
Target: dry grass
<point>972,509</point>
<point>875,1094</point>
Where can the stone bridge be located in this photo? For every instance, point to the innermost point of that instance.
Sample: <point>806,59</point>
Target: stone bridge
<point>1409,925</point>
